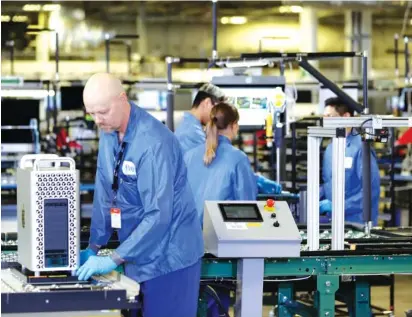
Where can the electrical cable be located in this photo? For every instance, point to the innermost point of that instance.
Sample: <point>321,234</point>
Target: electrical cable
<point>210,291</point>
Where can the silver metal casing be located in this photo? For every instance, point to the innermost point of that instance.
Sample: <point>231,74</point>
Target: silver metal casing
<point>48,213</point>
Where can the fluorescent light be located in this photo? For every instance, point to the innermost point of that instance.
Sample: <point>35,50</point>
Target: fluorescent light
<point>296,9</point>
<point>233,20</point>
<point>31,7</point>
<point>20,18</point>
<point>51,7</point>
<point>290,9</point>
<point>238,64</point>
<point>31,93</point>
<point>224,20</point>
<point>5,18</point>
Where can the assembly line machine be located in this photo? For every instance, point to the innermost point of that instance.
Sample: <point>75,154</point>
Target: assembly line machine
<point>249,245</point>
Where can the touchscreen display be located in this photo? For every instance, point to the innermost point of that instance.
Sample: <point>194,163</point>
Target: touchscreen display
<point>240,212</point>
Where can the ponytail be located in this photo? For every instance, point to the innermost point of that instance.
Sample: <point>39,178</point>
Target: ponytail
<point>211,141</point>
<point>221,116</point>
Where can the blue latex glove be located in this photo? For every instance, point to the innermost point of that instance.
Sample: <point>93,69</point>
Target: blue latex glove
<point>267,186</point>
<point>95,265</point>
<point>325,206</point>
<point>85,255</point>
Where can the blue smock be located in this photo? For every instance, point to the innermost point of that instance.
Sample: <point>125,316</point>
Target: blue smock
<point>158,212</point>
<point>228,177</point>
<point>190,132</point>
<point>353,180</point>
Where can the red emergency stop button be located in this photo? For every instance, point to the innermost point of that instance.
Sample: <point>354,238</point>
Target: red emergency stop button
<point>270,203</point>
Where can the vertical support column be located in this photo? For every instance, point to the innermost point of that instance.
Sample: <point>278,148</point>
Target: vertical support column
<point>366,184</point>
<point>249,291</point>
<point>11,45</point>
<point>362,299</point>
<point>42,39</point>
<point>406,42</point>
<point>214,26</point>
<point>327,285</point>
<point>366,35</point>
<point>170,95</point>
<point>285,293</point>
<point>141,29</point>
<point>308,20</point>
<point>255,157</point>
<point>313,192</point>
<point>129,57</point>
<point>107,48</point>
<point>348,43</point>
<point>294,173</point>
<point>338,190</point>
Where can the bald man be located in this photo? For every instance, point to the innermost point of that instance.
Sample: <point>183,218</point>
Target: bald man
<point>142,192</point>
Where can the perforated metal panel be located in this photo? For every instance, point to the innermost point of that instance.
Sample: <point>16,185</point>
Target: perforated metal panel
<point>55,185</point>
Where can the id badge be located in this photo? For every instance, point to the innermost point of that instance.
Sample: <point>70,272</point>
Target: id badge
<point>116,217</point>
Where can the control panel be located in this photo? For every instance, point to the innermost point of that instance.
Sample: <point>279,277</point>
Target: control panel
<point>250,229</point>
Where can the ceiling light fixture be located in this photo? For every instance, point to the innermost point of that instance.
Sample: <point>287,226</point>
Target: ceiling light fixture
<point>233,20</point>
<point>5,18</point>
<point>20,18</point>
<point>32,7</point>
<point>290,9</point>
<point>51,7</point>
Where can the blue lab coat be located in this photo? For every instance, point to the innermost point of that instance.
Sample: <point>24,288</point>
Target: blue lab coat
<point>190,132</point>
<point>160,232</point>
<point>353,180</point>
<point>228,177</point>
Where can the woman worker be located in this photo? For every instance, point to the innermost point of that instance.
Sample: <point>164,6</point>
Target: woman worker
<point>219,171</point>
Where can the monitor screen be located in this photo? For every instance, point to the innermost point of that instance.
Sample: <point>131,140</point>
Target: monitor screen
<point>152,99</point>
<point>19,111</point>
<point>304,96</point>
<point>240,212</point>
<point>252,103</point>
<point>71,98</point>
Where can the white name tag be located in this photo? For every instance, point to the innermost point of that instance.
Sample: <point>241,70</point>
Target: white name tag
<point>128,168</point>
<point>348,162</point>
<point>116,217</point>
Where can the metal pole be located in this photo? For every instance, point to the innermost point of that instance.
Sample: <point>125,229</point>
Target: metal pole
<point>313,193</point>
<point>107,46</point>
<point>366,182</point>
<point>11,57</point>
<point>170,95</point>
<point>338,190</point>
<point>365,82</point>
<point>56,56</point>
<point>332,86</point>
<point>56,83</point>
<point>392,176</point>
<point>293,126</point>
<point>406,41</point>
<point>255,145</point>
<point>396,55</point>
<point>214,22</point>
<point>129,58</point>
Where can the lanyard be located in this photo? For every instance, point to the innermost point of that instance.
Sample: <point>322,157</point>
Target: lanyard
<point>115,184</point>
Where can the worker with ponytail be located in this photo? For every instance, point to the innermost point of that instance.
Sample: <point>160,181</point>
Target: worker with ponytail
<point>217,170</point>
